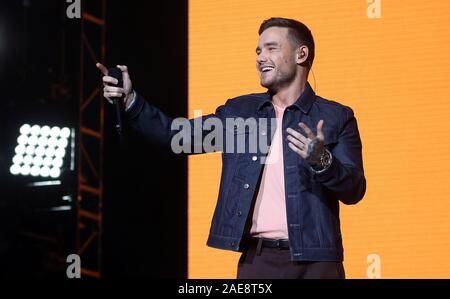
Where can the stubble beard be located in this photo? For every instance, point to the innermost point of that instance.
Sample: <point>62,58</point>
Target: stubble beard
<point>278,81</point>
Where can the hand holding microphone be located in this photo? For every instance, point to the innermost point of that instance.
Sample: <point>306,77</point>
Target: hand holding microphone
<point>111,90</point>
<point>117,90</point>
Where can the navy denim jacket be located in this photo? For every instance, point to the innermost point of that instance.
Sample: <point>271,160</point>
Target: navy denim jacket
<point>312,199</point>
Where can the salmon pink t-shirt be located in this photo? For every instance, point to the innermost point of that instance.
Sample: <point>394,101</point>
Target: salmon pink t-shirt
<point>269,215</point>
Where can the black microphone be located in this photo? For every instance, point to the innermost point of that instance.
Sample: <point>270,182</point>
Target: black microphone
<point>116,73</point>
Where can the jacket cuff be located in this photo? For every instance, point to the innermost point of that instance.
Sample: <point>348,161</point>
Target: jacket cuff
<point>327,174</point>
<point>135,107</point>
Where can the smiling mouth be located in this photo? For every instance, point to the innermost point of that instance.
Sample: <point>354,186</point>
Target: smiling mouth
<point>266,69</point>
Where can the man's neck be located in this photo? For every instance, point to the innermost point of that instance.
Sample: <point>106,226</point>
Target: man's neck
<point>286,96</point>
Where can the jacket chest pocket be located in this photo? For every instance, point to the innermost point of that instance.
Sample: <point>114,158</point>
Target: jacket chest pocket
<point>241,138</point>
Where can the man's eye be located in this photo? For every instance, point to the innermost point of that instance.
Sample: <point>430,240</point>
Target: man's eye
<point>272,48</point>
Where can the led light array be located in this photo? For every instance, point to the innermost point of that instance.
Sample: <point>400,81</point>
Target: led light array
<point>40,151</point>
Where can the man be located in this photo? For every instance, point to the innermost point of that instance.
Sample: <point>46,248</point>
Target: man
<point>283,214</point>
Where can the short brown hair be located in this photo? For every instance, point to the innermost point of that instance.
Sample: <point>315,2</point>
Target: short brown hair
<point>300,34</point>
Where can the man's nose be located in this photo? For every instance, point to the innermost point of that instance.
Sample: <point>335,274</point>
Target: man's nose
<point>261,58</point>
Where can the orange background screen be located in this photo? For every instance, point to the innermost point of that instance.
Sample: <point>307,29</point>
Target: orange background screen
<point>393,68</point>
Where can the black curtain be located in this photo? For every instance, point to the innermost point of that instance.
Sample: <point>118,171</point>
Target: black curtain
<point>146,188</point>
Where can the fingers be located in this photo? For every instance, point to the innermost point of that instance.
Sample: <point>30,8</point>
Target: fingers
<point>320,134</point>
<point>299,143</point>
<point>124,70</point>
<point>297,150</point>
<point>111,91</point>
<point>112,94</point>
<point>296,142</point>
<point>110,80</point>
<point>296,134</point>
<point>307,130</point>
<point>102,68</point>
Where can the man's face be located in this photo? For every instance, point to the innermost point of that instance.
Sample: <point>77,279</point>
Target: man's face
<point>275,60</point>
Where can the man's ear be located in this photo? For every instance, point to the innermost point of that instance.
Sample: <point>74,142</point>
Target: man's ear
<point>302,54</point>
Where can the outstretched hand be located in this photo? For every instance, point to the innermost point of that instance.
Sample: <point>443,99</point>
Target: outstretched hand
<point>309,147</point>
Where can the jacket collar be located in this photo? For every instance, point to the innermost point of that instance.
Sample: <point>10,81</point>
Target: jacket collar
<point>304,102</point>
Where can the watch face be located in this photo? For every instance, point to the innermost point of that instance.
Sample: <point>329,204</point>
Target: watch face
<point>325,160</point>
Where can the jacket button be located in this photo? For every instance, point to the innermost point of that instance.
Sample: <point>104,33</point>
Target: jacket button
<point>246,186</point>
<point>239,213</point>
<point>232,244</point>
<point>254,158</point>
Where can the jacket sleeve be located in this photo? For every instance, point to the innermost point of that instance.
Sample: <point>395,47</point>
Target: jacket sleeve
<point>345,176</point>
<point>180,135</point>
